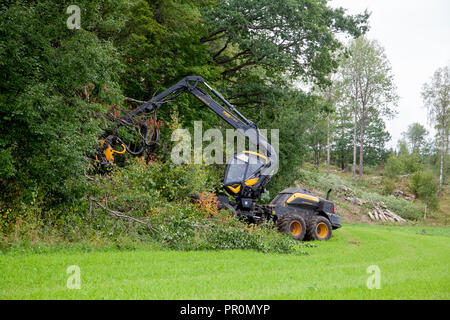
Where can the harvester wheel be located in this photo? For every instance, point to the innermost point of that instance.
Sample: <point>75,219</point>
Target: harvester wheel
<point>318,228</point>
<point>293,224</point>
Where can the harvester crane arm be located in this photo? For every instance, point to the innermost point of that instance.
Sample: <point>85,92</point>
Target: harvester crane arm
<point>192,84</point>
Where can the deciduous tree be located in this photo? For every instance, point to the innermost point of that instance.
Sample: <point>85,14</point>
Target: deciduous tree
<point>416,135</point>
<point>367,84</point>
<point>436,97</point>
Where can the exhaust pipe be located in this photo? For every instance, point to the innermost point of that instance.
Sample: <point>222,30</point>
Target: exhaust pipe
<point>328,194</point>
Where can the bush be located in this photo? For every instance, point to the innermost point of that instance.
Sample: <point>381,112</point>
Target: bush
<point>393,167</point>
<point>177,226</point>
<point>411,163</point>
<point>388,186</point>
<point>405,163</point>
<point>143,205</point>
<point>424,186</point>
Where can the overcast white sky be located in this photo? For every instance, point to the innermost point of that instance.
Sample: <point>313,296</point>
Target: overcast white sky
<point>416,36</point>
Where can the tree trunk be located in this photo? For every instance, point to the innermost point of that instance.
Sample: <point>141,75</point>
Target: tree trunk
<point>342,153</point>
<point>354,150</point>
<point>441,169</point>
<point>328,145</point>
<point>361,146</point>
<point>317,159</point>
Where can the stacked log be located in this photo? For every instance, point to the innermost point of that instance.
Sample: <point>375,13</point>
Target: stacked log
<point>346,191</point>
<point>406,196</point>
<point>381,213</point>
<point>349,195</point>
<point>355,200</point>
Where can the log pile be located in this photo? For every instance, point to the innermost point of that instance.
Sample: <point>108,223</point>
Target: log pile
<point>350,195</point>
<point>355,200</point>
<point>406,196</point>
<point>346,191</point>
<point>381,213</point>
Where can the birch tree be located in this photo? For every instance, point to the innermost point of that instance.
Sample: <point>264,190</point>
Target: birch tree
<point>367,85</point>
<point>436,97</point>
<point>330,95</point>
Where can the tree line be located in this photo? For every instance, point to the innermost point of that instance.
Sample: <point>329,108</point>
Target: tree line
<point>363,94</point>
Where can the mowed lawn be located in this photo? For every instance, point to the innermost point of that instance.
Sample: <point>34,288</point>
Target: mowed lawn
<point>413,263</point>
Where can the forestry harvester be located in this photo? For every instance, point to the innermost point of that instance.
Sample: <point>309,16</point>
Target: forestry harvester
<point>295,211</point>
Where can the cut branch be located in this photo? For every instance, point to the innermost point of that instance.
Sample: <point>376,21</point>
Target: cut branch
<point>133,100</point>
<point>118,214</point>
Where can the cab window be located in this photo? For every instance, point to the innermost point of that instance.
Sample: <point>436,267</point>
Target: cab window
<point>236,171</point>
<point>242,167</point>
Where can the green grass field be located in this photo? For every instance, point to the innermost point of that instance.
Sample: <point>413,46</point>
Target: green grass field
<point>414,264</point>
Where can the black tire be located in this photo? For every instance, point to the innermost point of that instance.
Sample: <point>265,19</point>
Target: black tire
<point>318,228</point>
<point>293,224</point>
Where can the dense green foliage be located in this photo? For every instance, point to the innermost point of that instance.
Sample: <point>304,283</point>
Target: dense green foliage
<point>424,186</point>
<point>402,164</point>
<point>143,205</point>
<point>57,84</point>
<point>422,182</point>
<point>376,138</point>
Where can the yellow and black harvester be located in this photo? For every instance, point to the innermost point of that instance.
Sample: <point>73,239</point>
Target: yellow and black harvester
<point>294,211</point>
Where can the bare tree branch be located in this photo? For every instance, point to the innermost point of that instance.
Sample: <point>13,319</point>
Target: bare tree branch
<point>221,50</point>
<point>118,214</point>
<point>133,100</point>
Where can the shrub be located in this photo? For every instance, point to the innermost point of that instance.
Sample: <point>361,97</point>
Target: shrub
<point>405,163</point>
<point>393,167</point>
<point>411,163</point>
<point>370,169</point>
<point>208,204</point>
<point>388,186</point>
<point>140,205</point>
<point>424,186</point>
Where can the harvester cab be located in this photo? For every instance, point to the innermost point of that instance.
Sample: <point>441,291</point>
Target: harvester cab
<point>245,178</point>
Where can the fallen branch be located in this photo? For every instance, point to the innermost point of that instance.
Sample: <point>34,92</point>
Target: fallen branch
<point>133,100</point>
<point>89,177</point>
<point>118,214</point>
